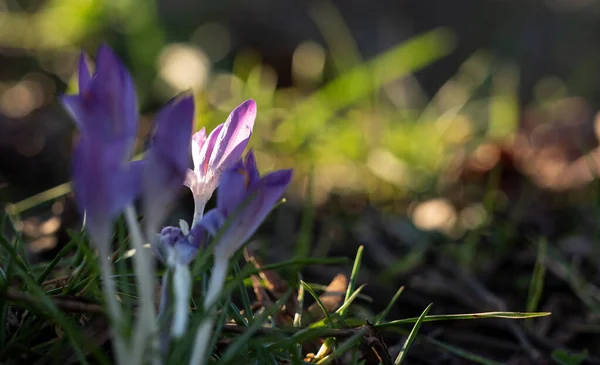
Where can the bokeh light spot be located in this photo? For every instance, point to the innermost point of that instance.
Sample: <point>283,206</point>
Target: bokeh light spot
<point>183,67</point>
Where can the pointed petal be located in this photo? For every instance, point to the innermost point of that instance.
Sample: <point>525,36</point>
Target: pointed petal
<point>125,186</point>
<point>251,168</point>
<point>207,151</point>
<point>264,195</point>
<point>173,132</point>
<point>112,88</point>
<point>207,181</point>
<point>212,221</point>
<point>232,189</point>
<point>106,107</point>
<point>234,136</point>
<point>161,183</point>
<point>268,192</point>
<point>166,169</point>
<point>198,140</point>
<point>73,106</point>
<point>102,188</point>
<point>83,76</point>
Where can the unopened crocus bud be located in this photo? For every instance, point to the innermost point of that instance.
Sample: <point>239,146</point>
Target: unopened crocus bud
<point>165,166</point>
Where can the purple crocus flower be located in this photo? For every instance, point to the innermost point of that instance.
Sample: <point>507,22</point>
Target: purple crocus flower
<point>176,248</point>
<point>178,244</point>
<point>165,166</point>
<point>105,112</point>
<point>220,150</point>
<point>243,189</point>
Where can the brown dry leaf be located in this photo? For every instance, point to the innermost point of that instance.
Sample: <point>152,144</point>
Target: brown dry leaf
<point>332,298</point>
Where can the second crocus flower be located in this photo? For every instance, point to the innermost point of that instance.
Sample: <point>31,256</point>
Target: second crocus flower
<point>244,199</point>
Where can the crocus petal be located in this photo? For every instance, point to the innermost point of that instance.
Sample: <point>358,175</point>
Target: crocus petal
<point>212,222</point>
<point>206,180</point>
<point>198,140</point>
<point>190,179</point>
<point>173,131</point>
<point>186,252</point>
<point>264,195</point>
<point>167,239</point>
<point>206,151</point>
<point>251,168</point>
<point>114,86</point>
<point>235,182</point>
<point>125,186</point>
<point>173,247</point>
<point>167,159</point>
<point>234,136</point>
<point>106,107</point>
<point>105,112</point>
<point>102,188</point>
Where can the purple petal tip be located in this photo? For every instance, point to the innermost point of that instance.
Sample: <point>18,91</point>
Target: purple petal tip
<point>247,107</point>
<point>280,177</point>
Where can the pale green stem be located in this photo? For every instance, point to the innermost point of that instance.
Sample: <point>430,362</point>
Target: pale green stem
<point>146,327</point>
<point>165,302</point>
<point>199,205</point>
<point>203,334</point>
<point>110,296</point>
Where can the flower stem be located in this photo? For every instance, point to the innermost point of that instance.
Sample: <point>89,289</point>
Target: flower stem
<point>146,326</point>
<point>199,205</point>
<point>110,296</point>
<point>203,334</point>
<point>164,316</point>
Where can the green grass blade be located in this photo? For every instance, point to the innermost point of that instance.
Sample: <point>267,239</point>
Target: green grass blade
<point>342,308</point>
<point>536,287</point>
<point>353,277</point>
<point>68,247</point>
<point>46,305</point>
<point>319,302</point>
<point>299,309</point>
<point>342,46</point>
<point>298,315</point>
<point>410,56</point>
<point>243,339</point>
<point>219,324</point>
<point>244,295</point>
<point>412,336</point>
<point>387,309</point>
<point>14,255</point>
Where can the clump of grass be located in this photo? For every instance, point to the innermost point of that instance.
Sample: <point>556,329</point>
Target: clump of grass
<point>51,307</point>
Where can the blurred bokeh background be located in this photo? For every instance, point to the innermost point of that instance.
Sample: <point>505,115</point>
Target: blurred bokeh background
<point>470,126</point>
